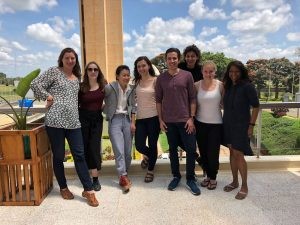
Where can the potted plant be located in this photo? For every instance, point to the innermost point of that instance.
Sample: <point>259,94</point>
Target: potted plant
<point>22,89</point>
<point>26,163</point>
<point>20,118</point>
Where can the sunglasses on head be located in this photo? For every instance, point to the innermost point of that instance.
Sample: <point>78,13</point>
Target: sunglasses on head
<point>93,69</point>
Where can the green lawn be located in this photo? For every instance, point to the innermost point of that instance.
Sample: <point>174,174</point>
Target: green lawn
<point>280,136</point>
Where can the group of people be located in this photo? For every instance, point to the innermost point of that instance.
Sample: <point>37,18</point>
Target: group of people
<point>185,101</point>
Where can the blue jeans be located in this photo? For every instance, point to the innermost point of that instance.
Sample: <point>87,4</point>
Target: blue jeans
<point>121,141</point>
<point>74,137</point>
<point>176,134</point>
<point>147,128</point>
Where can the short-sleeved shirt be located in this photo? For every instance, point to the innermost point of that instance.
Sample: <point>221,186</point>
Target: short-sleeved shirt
<point>175,93</point>
<point>63,113</point>
<point>237,102</point>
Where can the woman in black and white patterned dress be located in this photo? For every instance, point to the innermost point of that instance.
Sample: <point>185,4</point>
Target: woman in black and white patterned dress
<point>59,85</point>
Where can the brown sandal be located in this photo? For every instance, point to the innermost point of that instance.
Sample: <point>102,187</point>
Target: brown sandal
<point>149,177</point>
<point>144,163</point>
<point>241,195</point>
<point>229,187</point>
<point>205,182</point>
<point>212,186</point>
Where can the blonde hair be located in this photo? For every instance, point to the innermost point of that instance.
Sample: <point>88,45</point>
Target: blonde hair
<point>209,63</point>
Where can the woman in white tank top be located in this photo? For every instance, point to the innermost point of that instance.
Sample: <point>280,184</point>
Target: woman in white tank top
<point>208,122</point>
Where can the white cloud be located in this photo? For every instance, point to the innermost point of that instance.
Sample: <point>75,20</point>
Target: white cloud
<point>60,25</point>
<point>217,44</point>
<point>18,46</point>
<point>10,6</point>
<point>159,35</point>
<point>158,26</point>
<point>4,8</point>
<point>126,37</point>
<point>3,42</point>
<point>198,10</point>
<point>207,31</point>
<point>293,36</point>
<point>257,4</point>
<point>74,42</point>
<point>45,33</point>
<point>262,22</point>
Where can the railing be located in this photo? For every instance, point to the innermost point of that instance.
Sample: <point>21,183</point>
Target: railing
<point>38,111</point>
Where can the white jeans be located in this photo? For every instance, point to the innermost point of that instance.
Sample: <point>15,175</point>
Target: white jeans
<point>121,140</point>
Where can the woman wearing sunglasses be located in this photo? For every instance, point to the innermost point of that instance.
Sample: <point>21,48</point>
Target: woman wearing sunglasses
<point>91,97</point>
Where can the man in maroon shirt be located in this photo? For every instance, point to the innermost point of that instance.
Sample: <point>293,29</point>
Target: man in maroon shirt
<point>176,107</point>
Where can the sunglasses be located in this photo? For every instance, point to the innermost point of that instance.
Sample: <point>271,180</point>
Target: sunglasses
<point>93,69</point>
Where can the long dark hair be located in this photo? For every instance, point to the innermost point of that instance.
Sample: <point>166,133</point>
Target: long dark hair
<point>85,85</point>
<point>137,76</point>
<point>244,73</point>
<point>76,69</point>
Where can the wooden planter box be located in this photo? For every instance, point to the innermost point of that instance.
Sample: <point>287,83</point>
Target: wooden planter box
<point>25,181</point>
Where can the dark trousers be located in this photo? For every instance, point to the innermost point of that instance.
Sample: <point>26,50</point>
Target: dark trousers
<point>147,128</point>
<point>209,140</point>
<point>176,133</point>
<point>57,140</point>
<point>91,128</point>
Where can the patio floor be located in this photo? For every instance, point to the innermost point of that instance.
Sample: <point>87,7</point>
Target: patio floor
<point>273,199</point>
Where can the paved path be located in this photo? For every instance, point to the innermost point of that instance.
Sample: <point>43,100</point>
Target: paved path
<point>273,200</point>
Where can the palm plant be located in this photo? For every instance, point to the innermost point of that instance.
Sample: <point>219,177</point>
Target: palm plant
<point>20,118</point>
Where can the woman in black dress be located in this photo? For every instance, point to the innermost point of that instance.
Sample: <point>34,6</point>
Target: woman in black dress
<point>238,121</point>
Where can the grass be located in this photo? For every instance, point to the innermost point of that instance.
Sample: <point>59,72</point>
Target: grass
<point>163,142</point>
<point>280,136</point>
<point>8,92</point>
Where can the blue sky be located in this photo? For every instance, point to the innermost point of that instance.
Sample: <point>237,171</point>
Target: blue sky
<point>33,32</point>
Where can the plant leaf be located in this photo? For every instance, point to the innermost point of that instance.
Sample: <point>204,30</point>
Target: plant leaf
<point>24,84</point>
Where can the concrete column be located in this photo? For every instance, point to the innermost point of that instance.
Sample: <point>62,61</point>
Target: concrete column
<point>101,29</point>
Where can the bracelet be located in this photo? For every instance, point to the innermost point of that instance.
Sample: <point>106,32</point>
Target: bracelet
<point>252,124</point>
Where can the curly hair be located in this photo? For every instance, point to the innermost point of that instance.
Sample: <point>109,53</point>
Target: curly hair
<point>195,49</point>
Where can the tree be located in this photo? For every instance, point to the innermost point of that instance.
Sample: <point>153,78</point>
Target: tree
<point>2,75</point>
<point>259,73</point>
<point>282,70</point>
<point>219,59</point>
<point>159,62</point>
